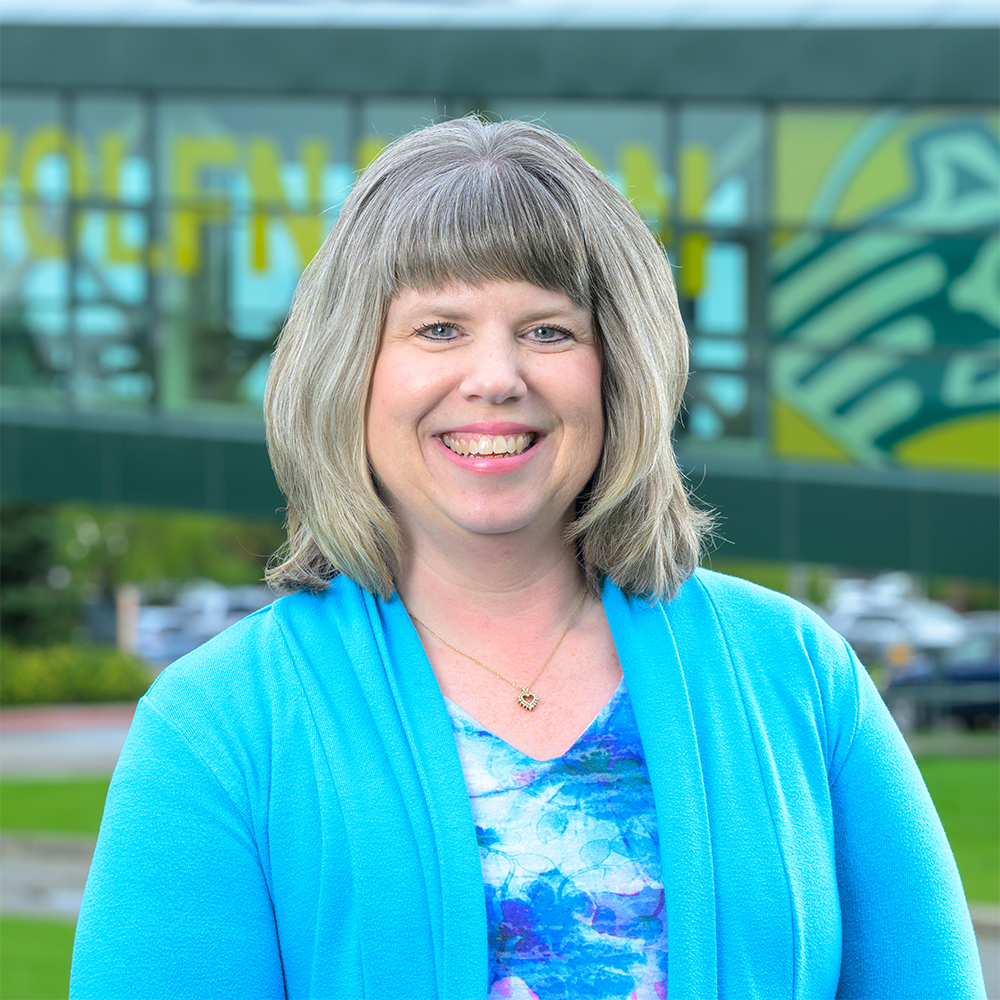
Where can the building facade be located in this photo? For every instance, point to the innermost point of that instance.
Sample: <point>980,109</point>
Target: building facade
<point>829,198</point>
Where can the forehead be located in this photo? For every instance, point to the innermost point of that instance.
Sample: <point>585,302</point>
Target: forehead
<point>516,301</point>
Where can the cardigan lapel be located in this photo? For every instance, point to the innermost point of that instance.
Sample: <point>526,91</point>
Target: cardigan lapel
<point>705,774</point>
<point>711,730</point>
<point>419,905</point>
<point>658,687</point>
<point>452,868</point>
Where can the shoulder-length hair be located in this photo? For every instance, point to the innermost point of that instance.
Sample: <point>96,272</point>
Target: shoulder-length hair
<point>469,201</point>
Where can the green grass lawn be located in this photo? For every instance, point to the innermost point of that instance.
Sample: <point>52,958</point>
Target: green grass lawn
<point>35,954</point>
<point>34,958</point>
<point>59,806</point>
<point>966,791</point>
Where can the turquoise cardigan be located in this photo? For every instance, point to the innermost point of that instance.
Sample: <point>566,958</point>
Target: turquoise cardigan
<point>289,817</point>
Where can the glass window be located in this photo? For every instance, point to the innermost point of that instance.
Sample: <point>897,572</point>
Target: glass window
<point>385,119</point>
<point>42,167</point>
<point>721,196</point>
<point>252,187</point>
<point>720,165</point>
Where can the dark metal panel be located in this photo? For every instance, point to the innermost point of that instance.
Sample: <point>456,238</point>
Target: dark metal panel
<point>867,65</point>
<point>964,532</point>
<point>51,465</point>
<point>248,480</point>
<point>157,470</point>
<point>165,472</point>
<point>847,524</point>
<point>748,522</point>
<point>854,526</point>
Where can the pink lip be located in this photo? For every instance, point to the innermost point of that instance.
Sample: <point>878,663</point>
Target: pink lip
<point>491,466</point>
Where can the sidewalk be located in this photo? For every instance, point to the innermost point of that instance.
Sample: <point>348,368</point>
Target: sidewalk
<point>986,921</point>
<point>67,740</point>
<point>43,875</point>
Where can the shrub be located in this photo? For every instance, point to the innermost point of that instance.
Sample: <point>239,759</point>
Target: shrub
<point>32,611</point>
<point>68,673</point>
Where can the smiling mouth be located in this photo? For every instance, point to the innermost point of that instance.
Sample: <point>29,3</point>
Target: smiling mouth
<point>499,445</point>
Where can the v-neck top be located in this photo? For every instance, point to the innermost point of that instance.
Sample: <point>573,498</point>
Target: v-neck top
<point>571,863</point>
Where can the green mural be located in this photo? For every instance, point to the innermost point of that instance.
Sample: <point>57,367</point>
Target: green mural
<point>885,304</point>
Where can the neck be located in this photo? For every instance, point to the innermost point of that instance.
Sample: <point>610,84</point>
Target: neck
<point>491,577</point>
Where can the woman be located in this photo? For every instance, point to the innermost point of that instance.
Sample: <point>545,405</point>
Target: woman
<point>498,676</point>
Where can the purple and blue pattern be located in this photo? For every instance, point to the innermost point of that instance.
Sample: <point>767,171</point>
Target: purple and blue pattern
<point>571,862</point>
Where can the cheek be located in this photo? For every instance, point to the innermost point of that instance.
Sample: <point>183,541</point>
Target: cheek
<point>598,423</point>
<point>584,412</point>
<point>387,396</point>
<point>379,417</point>
<point>404,387</point>
<point>592,409</point>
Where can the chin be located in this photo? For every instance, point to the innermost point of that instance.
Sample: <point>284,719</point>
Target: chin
<point>506,522</point>
<point>494,525</point>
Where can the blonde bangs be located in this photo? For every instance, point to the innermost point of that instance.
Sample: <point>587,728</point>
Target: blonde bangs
<point>476,220</point>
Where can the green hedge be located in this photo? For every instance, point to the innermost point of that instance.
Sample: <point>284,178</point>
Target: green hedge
<point>68,673</point>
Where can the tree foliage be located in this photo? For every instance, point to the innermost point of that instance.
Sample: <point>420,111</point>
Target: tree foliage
<point>32,611</point>
<point>104,547</point>
<point>56,559</point>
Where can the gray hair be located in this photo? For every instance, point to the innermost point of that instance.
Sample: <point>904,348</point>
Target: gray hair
<point>470,201</point>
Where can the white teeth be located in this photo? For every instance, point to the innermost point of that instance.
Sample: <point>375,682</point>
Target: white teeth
<point>485,444</point>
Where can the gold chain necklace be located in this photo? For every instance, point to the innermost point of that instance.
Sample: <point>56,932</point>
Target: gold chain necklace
<point>526,698</point>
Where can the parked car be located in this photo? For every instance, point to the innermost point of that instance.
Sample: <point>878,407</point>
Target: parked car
<point>961,683</point>
<point>201,610</point>
<point>162,634</point>
<point>918,624</point>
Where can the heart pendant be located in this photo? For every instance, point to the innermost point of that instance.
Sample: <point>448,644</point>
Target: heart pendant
<point>527,699</point>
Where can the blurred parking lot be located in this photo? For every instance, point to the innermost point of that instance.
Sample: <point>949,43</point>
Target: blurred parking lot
<point>935,667</point>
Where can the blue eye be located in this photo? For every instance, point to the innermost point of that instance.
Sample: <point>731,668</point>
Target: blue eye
<point>437,331</point>
<point>549,335</point>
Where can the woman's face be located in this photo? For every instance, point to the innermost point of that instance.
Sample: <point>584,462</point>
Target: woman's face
<point>484,412</point>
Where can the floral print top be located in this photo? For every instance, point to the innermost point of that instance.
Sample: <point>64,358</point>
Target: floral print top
<point>571,863</point>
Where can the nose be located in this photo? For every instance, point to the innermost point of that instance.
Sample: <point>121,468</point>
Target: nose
<point>493,373</point>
